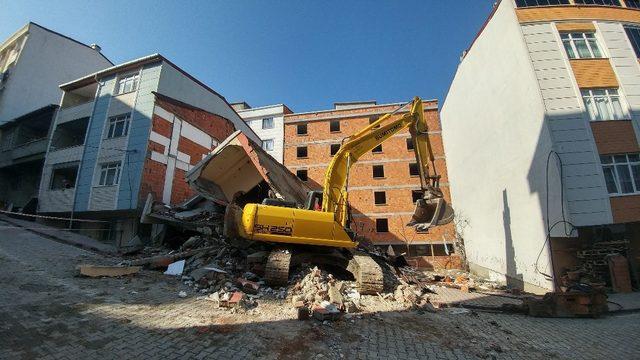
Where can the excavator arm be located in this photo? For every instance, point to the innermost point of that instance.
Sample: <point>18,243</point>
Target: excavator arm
<point>431,209</point>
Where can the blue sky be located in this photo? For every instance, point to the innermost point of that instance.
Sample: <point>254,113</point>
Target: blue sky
<point>306,54</point>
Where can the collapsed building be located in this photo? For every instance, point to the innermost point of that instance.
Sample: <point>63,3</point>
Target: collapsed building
<point>125,132</point>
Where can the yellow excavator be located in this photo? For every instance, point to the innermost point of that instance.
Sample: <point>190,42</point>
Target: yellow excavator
<point>321,230</point>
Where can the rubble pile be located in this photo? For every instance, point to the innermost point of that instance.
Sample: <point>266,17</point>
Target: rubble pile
<point>593,267</point>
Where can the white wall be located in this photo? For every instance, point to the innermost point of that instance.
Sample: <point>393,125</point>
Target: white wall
<point>587,198</point>
<point>175,84</point>
<point>625,64</point>
<point>496,145</point>
<point>253,118</point>
<point>46,61</point>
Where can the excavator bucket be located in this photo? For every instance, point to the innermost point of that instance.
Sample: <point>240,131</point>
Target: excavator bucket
<point>431,212</point>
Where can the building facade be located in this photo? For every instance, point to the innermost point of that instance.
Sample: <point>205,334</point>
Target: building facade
<point>33,62</point>
<point>128,131</point>
<point>541,129</point>
<point>268,123</point>
<point>383,185</point>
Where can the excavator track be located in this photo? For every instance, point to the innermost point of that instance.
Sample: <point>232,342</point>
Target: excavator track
<point>277,269</point>
<point>368,274</point>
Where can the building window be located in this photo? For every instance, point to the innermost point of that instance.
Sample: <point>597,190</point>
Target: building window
<point>414,170</point>
<point>128,83</point>
<point>334,126</point>
<point>374,119</point>
<point>581,45</point>
<point>267,123</point>
<point>379,197</point>
<point>603,104</point>
<point>302,175</point>
<point>633,33</point>
<point>378,171</point>
<point>377,149</point>
<point>334,149</point>
<point>382,225</point>
<point>416,195</point>
<point>410,144</point>
<point>633,4</point>
<point>621,173</point>
<point>118,126</point>
<point>527,3</point>
<point>301,152</point>
<point>70,133</point>
<point>64,177</point>
<point>267,144</point>
<point>598,2</point>
<point>301,129</point>
<point>109,174</point>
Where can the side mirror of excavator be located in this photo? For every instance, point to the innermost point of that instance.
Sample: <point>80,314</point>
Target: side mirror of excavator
<point>431,212</point>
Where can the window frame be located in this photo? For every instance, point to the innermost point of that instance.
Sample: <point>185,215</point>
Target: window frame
<point>571,41</point>
<point>331,126</point>
<point>133,78</point>
<point>409,141</point>
<point>519,3</point>
<point>112,123</point>
<point>373,171</point>
<point>635,4</point>
<point>386,225</point>
<point>624,115</point>
<point>306,174</point>
<point>384,198</point>
<point>300,126</point>
<point>331,147</point>
<point>411,167</point>
<point>116,166</point>
<point>268,141</point>
<point>413,197</point>
<point>582,3</point>
<point>268,120</point>
<point>613,164</point>
<point>634,38</point>
<point>306,150</point>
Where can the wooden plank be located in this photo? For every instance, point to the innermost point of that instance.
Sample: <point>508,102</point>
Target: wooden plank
<point>107,271</point>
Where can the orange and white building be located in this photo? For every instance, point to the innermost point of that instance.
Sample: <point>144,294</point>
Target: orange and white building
<point>541,127</point>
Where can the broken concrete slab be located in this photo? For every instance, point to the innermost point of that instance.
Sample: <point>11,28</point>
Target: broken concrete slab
<point>238,165</point>
<point>175,268</point>
<point>107,271</point>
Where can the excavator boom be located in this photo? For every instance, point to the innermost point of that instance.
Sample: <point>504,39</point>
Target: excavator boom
<point>431,209</point>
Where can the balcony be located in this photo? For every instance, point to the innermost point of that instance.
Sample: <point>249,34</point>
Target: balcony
<point>634,4</point>
<point>75,112</point>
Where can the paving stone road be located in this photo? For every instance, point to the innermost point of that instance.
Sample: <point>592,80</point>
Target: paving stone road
<point>48,313</point>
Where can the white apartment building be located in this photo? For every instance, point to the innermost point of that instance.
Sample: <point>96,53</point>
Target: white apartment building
<point>268,123</point>
<point>34,61</point>
<point>540,129</point>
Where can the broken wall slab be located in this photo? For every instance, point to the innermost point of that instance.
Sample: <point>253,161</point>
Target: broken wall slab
<point>238,165</point>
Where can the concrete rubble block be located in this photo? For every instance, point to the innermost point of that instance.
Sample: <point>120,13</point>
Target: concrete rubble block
<point>303,313</point>
<point>107,271</point>
<point>335,297</point>
<point>325,311</point>
<point>175,268</point>
<point>234,300</point>
<point>257,257</point>
<point>247,286</point>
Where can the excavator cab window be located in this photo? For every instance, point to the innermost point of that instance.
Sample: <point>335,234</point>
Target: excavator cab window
<point>314,201</point>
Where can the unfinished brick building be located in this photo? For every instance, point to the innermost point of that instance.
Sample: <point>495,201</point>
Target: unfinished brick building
<point>383,185</point>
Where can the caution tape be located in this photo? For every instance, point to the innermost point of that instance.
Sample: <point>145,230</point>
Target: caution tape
<point>53,217</point>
